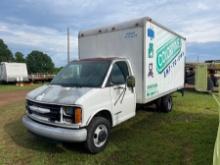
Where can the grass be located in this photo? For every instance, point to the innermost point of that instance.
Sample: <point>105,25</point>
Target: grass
<point>13,87</point>
<point>184,136</point>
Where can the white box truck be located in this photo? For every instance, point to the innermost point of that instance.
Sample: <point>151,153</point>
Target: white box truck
<point>13,72</point>
<point>139,61</point>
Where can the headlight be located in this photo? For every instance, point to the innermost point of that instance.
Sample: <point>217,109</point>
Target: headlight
<point>72,114</point>
<point>68,111</point>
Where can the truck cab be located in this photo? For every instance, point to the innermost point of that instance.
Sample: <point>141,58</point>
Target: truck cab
<point>83,102</point>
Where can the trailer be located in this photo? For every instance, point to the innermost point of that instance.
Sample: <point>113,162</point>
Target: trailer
<point>157,54</point>
<point>13,72</point>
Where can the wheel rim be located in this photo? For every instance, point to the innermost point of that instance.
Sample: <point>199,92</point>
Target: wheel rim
<point>169,104</point>
<point>100,135</point>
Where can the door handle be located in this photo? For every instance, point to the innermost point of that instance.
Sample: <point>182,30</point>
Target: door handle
<point>118,87</point>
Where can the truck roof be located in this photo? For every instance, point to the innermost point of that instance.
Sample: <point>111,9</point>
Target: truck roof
<point>124,25</point>
<point>12,63</point>
<point>100,59</point>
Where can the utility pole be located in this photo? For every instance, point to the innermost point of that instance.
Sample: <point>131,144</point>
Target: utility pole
<point>68,46</point>
<point>197,58</point>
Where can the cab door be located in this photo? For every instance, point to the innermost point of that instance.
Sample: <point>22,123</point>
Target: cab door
<point>123,98</point>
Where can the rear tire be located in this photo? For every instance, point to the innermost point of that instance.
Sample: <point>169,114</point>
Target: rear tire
<point>98,134</point>
<point>165,104</point>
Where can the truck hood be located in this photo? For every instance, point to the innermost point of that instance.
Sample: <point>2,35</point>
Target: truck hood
<point>57,94</point>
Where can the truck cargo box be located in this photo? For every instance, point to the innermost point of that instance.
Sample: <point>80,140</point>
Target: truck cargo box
<point>13,72</point>
<point>157,54</point>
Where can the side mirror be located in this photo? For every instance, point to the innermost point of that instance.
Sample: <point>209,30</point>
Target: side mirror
<point>131,81</point>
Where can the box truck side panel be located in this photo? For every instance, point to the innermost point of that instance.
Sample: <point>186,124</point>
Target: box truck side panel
<point>127,43</point>
<point>16,72</point>
<point>164,62</point>
<point>3,72</point>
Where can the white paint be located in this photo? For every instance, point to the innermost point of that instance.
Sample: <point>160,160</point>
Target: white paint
<point>129,41</point>
<point>13,72</point>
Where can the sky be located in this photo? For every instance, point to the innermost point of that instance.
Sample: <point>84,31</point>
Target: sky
<point>27,25</point>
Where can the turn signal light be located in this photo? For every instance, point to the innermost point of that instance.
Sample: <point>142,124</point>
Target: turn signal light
<point>78,115</point>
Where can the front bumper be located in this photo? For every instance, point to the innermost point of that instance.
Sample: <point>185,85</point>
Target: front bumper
<point>56,133</point>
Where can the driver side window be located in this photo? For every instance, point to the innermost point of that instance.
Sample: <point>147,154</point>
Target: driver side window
<point>118,74</point>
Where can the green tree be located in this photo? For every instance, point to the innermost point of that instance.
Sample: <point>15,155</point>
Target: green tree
<point>38,62</point>
<point>5,53</point>
<point>19,57</point>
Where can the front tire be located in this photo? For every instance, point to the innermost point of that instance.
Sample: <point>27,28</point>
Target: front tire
<point>98,134</point>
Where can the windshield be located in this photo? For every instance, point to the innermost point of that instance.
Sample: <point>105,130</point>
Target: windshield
<point>82,74</point>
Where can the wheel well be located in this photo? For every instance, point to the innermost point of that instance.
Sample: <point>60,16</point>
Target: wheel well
<point>106,114</point>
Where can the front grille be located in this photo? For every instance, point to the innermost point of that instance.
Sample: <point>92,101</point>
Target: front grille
<point>53,114</point>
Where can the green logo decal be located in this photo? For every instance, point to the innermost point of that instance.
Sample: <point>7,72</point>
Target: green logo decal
<point>167,52</point>
<point>152,89</point>
<point>151,50</point>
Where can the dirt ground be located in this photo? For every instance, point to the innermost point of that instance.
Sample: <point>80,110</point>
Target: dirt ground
<point>9,97</point>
